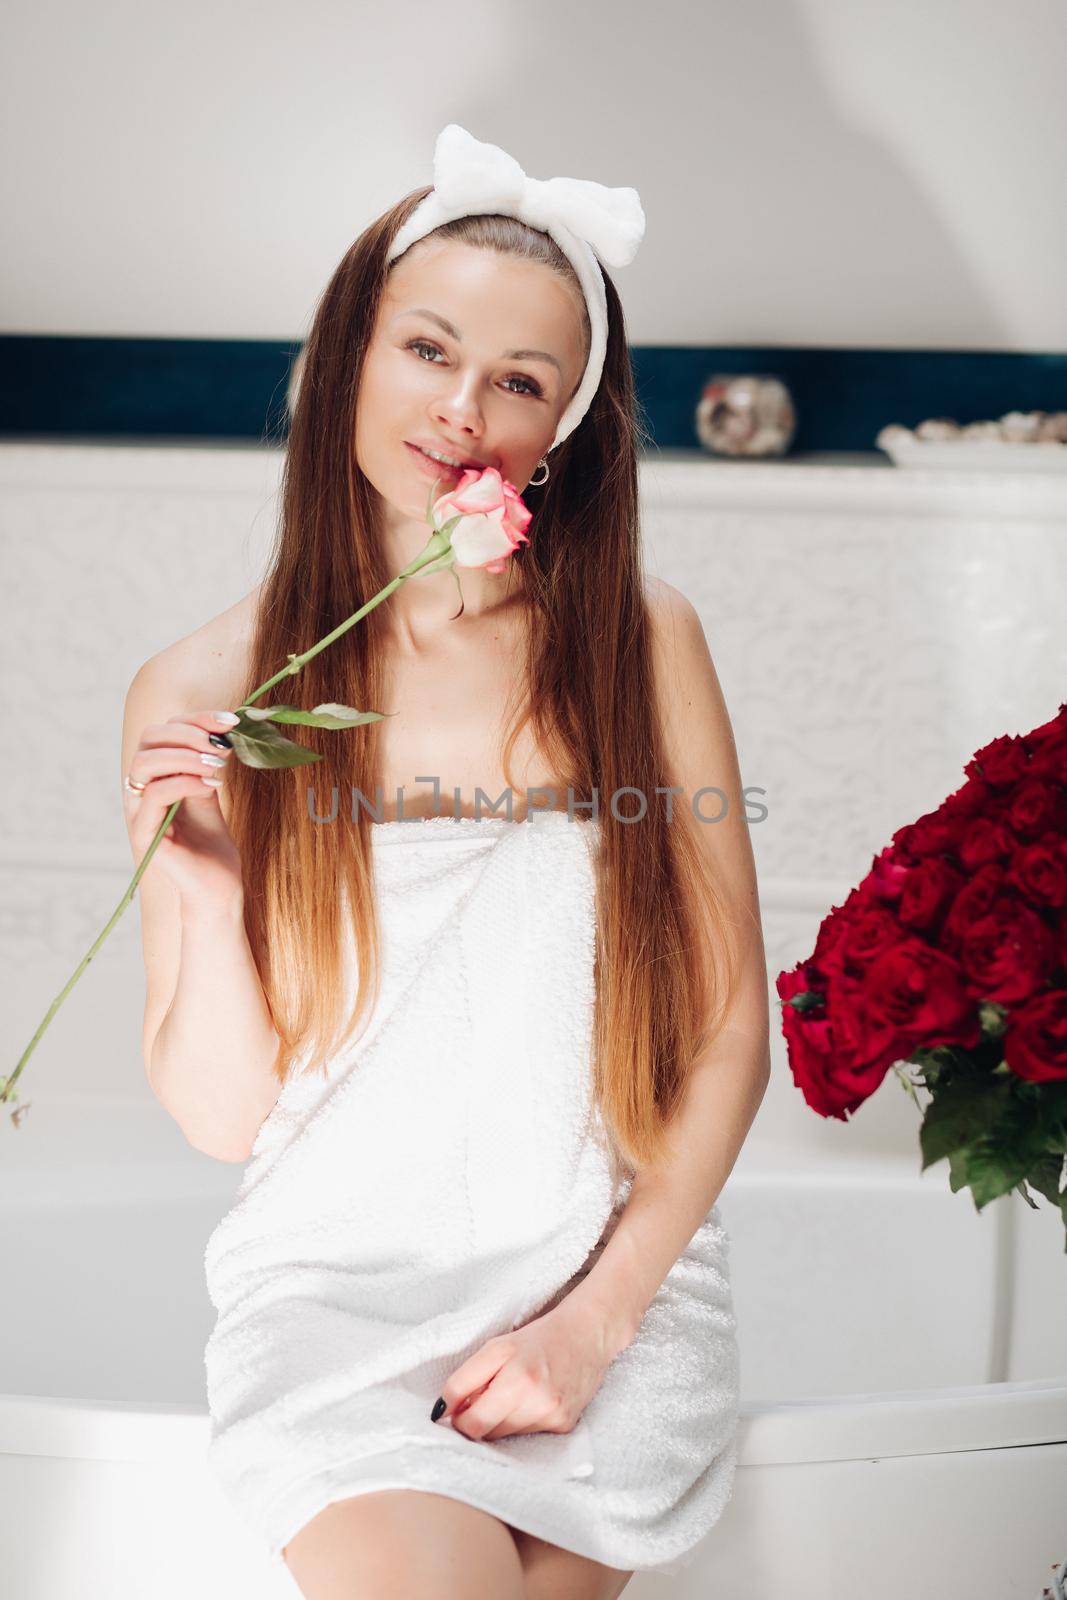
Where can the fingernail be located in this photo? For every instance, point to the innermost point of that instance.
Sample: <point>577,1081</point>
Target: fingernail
<point>213,761</point>
<point>222,740</point>
<point>229,719</point>
<point>438,1409</point>
<point>212,783</point>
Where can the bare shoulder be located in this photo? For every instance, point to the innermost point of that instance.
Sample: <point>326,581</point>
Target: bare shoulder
<point>206,667</point>
<point>203,671</point>
<point>679,642</point>
<point>664,600</point>
<point>698,738</point>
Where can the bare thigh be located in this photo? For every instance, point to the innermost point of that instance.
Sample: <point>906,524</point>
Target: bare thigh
<point>405,1544</point>
<point>552,1573</point>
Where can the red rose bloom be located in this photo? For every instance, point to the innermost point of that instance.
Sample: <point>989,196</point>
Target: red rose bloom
<point>1007,954</point>
<point>1039,872</point>
<point>1048,749</point>
<point>824,1067</point>
<point>1002,762</point>
<point>973,797</point>
<point>888,875</point>
<point>939,832</point>
<point>929,890</point>
<point>828,956</point>
<point>972,903</point>
<point>870,930</point>
<point>1035,1045</point>
<point>932,835</point>
<point>869,1041</point>
<point>921,995</point>
<point>986,839</point>
<point>965,905</point>
<point>1037,807</point>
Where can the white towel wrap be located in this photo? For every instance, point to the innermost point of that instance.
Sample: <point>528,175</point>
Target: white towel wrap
<point>448,1181</point>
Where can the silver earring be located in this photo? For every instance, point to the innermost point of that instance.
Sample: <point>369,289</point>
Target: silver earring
<point>535,483</point>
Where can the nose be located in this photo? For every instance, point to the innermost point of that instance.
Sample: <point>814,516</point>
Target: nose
<point>460,409</point>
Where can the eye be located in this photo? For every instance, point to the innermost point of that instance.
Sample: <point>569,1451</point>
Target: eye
<point>424,343</point>
<point>532,387</point>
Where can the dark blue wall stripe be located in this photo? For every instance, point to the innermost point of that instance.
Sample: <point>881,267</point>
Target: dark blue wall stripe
<point>843,398</point>
<point>142,388</point>
<point>216,389</point>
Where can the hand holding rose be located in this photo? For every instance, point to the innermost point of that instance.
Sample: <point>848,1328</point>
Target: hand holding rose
<point>479,523</point>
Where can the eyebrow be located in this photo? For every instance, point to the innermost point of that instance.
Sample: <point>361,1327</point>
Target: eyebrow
<point>454,333</point>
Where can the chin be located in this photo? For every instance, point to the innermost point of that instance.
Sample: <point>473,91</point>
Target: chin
<point>409,507</point>
<point>396,498</point>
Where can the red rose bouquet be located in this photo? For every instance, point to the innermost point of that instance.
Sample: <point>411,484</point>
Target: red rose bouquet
<point>950,958</point>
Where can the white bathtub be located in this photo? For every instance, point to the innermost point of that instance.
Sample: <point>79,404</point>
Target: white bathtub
<point>876,1457</point>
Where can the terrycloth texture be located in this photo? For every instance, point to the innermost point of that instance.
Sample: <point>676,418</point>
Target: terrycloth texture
<point>448,1182</point>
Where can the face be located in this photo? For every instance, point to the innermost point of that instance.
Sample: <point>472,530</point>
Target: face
<point>489,388</point>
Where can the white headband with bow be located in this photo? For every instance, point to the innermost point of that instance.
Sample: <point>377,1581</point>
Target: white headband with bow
<point>586,220</point>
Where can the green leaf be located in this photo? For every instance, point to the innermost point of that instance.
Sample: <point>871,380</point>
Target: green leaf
<point>938,1055</point>
<point>993,1018</point>
<point>261,745</point>
<point>1044,1176</point>
<point>961,1111</point>
<point>993,1131</point>
<point>327,715</point>
<point>1052,1114</point>
<point>937,1064</point>
<point>805,1000</point>
<point>991,1171</point>
<point>332,715</point>
<point>957,1171</point>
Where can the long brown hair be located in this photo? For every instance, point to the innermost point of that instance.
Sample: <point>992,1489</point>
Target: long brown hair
<point>666,952</point>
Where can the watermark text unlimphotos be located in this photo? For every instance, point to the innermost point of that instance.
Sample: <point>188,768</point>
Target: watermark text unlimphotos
<point>709,804</point>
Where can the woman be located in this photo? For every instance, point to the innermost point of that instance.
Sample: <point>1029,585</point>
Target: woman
<point>489,1072</point>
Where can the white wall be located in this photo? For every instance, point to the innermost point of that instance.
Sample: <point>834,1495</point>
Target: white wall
<point>821,172</point>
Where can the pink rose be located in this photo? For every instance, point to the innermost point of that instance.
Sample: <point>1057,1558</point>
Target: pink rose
<point>493,519</point>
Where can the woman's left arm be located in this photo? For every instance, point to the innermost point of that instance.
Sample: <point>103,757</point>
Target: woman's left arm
<point>666,1205</point>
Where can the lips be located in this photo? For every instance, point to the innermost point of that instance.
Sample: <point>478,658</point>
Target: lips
<point>430,468</point>
<point>466,463</point>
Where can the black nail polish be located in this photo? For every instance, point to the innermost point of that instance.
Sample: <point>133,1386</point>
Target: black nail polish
<point>223,740</point>
<point>438,1409</point>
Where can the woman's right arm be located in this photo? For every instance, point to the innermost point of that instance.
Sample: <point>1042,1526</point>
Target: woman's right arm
<point>208,1041</point>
